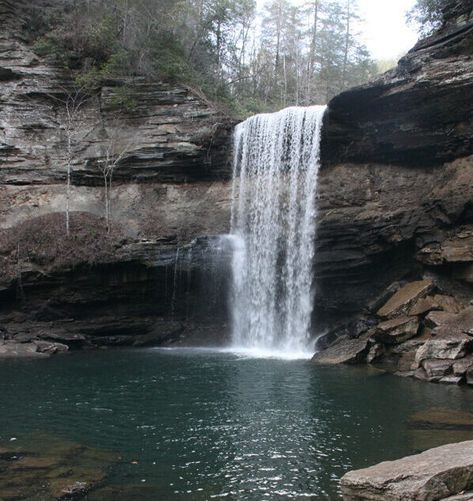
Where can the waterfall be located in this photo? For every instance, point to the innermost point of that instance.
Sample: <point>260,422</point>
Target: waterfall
<point>276,163</point>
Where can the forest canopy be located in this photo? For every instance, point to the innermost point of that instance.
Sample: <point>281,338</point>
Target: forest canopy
<point>253,60</point>
<point>282,55</point>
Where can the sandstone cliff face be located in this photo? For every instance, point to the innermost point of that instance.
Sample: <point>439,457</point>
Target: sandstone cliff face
<point>396,209</point>
<point>169,189</point>
<point>417,114</point>
<point>397,188</point>
<point>395,197</point>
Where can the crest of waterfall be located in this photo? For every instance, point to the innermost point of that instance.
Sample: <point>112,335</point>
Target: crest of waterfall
<point>276,163</point>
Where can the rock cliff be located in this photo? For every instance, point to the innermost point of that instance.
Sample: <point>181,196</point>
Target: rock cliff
<point>397,188</point>
<point>395,199</point>
<point>169,189</point>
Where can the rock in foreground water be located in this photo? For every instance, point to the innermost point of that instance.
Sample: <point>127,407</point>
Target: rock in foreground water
<point>433,475</point>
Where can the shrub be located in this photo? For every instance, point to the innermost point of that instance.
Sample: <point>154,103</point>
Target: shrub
<point>42,241</point>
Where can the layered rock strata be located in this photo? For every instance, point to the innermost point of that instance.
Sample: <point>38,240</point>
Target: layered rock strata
<point>170,194</point>
<point>396,190</point>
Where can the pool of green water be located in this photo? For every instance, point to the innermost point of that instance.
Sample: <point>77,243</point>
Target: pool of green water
<point>198,425</point>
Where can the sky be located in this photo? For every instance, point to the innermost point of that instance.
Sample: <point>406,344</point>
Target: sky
<point>384,30</point>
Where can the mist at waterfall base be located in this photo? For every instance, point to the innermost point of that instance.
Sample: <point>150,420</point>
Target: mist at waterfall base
<point>276,163</point>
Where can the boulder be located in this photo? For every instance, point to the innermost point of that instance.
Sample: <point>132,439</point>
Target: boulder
<point>344,351</point>
<point>451,380</point>
<point>405,298</point>
<point>451,348</point>
<point>467,496</point>
<point>462,323</point>
<point>424,305</point>
<point>397,331</point>
<point>460,367</point>
<point>437,318</point>
<point>469,376</point>
<point>448,303</point>
<point>434,474</point>
<point>50,348</point>
<point>10,349</point>
<point>457,249</point>
<point>437,369</point>
<point>406,362</point>
<point>437,302</point>
<point>376,351</point>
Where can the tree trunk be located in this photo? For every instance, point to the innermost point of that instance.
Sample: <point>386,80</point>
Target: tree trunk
<point>347,46</point>
<point>313,48</point>
<point>68,188</point>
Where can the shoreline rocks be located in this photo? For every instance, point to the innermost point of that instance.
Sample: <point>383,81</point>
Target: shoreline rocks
<point>435,474</point>
<point>435,344</point>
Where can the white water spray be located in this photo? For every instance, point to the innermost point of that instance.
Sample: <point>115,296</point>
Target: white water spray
<point>276,163</point>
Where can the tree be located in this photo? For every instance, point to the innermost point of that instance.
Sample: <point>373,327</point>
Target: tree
<point>71,119</point>
<point>344,60</point>
<point>293,53</point>
<point>313,10</point>
<point>117,145</point>
<point>427,15</point>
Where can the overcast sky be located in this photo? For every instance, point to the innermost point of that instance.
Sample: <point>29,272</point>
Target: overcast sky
<point>385,30</point>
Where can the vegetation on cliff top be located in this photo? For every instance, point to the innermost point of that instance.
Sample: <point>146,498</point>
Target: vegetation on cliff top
<point>284,55</point>
<point>427,15</point>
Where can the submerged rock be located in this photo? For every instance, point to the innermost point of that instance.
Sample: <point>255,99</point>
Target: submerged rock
<point>47,468</point>
<point>442,419</point>
<point>434,474</point>
<point>437,369</point>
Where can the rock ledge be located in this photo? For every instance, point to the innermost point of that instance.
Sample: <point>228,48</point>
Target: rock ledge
<point>433,475</point>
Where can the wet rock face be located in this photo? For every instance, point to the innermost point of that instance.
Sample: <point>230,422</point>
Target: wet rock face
<point>417,114</point>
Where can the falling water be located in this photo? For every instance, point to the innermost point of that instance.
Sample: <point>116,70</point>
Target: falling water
<point>276,167</point>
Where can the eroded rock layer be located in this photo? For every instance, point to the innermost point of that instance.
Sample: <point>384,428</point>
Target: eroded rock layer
<point>170,194</point>
<point>397,189</point>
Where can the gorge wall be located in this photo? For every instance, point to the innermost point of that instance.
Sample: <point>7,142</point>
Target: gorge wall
<point>169,189</point>
<point>395,198</point>
<point>397,188</point>
<point>396,213</point>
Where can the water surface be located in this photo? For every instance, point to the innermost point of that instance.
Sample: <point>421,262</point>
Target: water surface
<point>195,424</point>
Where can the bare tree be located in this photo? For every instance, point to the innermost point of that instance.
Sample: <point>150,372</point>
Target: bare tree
<point>117,145</point>
<point>72,122</point>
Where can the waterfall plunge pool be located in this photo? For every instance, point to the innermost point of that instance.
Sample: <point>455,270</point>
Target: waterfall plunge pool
<point>198,425</point>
